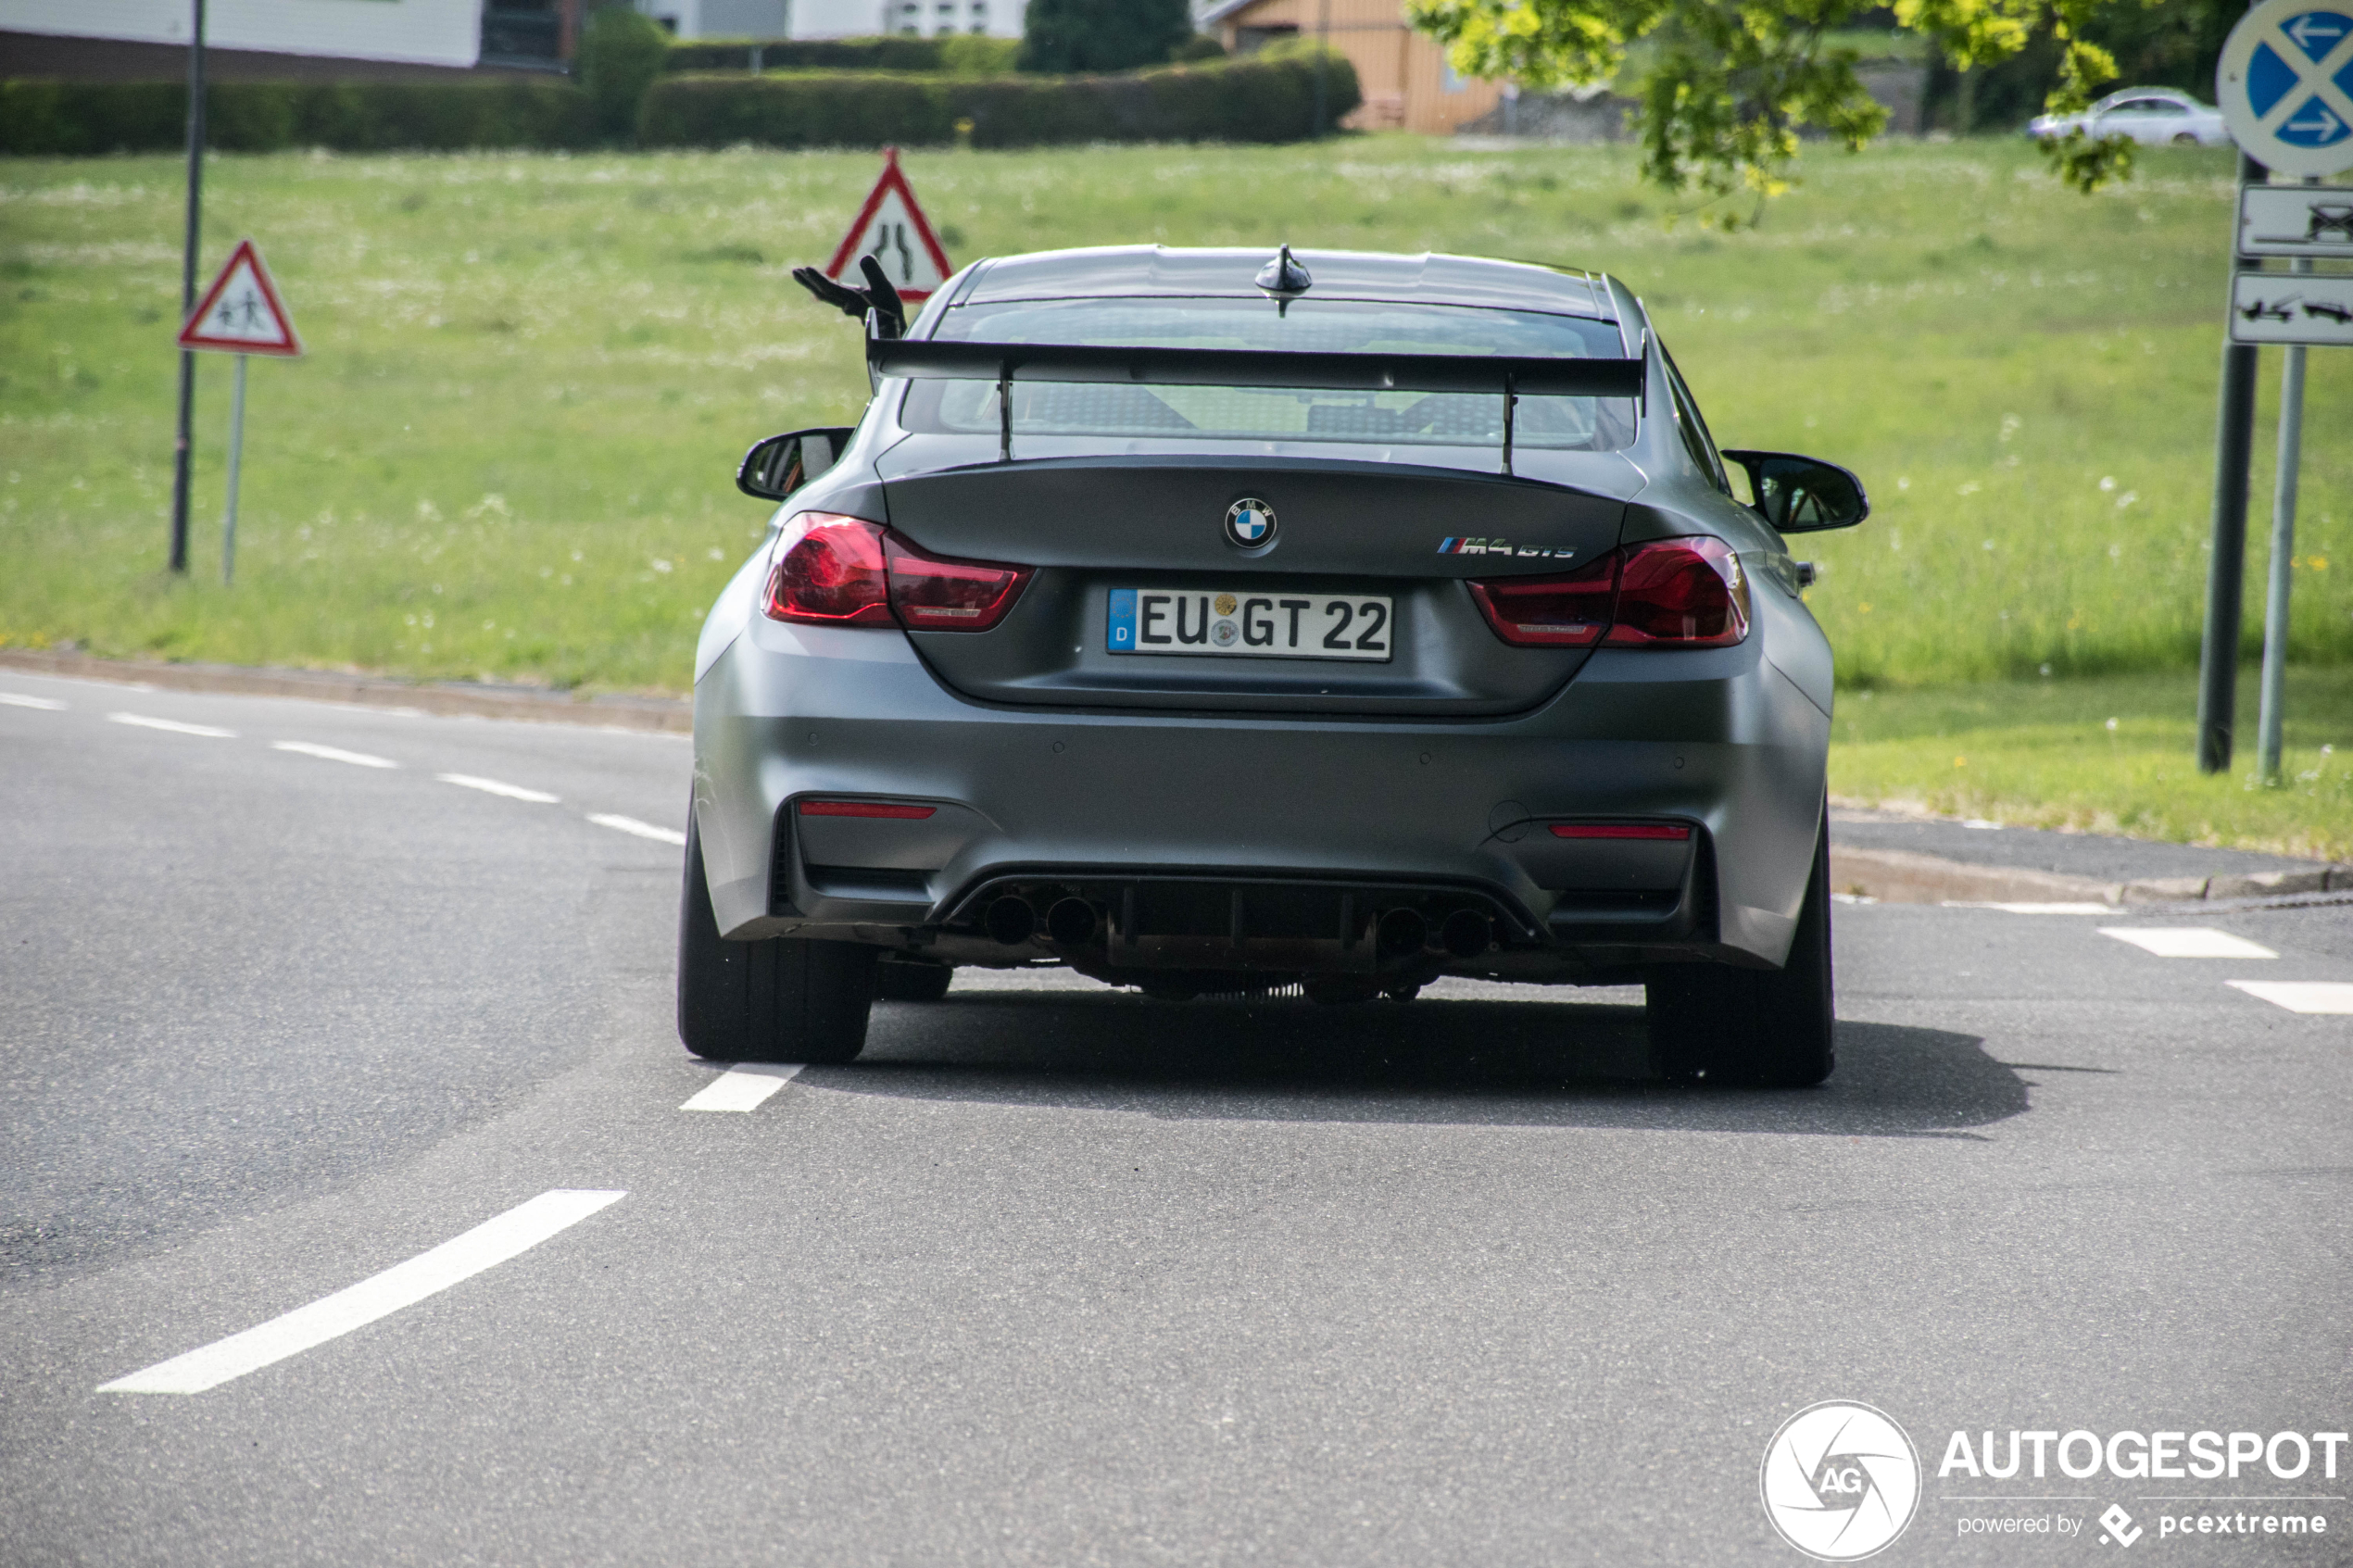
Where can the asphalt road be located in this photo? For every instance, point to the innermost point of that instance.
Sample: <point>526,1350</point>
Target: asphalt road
<point>1057,1276</point>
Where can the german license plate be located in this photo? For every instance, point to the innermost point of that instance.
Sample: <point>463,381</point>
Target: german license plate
<point>1251,625</point>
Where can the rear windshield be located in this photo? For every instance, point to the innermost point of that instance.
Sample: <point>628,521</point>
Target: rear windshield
<point>1447,418</point>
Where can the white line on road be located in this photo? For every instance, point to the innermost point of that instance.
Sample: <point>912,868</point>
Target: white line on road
<point>643,829</point>
<point>492,786</point>
<point>744,1087</point>
<point>332,754</point>
<point>404,1285</point>
<point>2035,909</point>
<point>2301,996</point>
<point>2188,942</point>
<point>17,700</point>
<point>173,726</point>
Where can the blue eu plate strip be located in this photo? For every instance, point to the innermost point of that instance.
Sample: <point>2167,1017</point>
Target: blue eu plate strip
<point>1122,620</point>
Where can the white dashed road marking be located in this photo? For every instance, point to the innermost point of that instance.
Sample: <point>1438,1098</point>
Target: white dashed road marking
<point>17,700</point>
<point>643,829</point>
<point>742,1087</point>
<point>2188,942</point>
<point>2302,996</point>
<point>332,754</point>
<point>492,786</point>
<point>2036,909</point>
<point>173,726</point>
<point>404,1285</point>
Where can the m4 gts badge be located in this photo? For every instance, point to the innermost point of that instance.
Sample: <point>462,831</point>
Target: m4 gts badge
<point>1499,547</point>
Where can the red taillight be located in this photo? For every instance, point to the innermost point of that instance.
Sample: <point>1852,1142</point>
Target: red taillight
<point>1620,830</point>
<point>935,595</point>
<point>1668,594</point>
<point>1567,611</point>
<point>1680,592</point>
<point>866,808</point>
<point>829,570</point>
<point>837,570</point>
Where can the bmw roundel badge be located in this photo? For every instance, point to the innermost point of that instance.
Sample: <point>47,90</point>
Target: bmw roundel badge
<point>1250,524</point>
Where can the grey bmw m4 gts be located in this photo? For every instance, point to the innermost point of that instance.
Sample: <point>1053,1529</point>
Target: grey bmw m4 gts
<point>1217,624</point>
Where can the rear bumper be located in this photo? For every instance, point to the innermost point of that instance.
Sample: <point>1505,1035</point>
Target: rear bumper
<point>1718,740</point>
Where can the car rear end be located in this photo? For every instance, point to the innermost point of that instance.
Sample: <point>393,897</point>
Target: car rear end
<point>1207,688</point>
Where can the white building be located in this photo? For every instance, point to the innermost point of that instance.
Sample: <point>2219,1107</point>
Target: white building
<point>834,18</point>
<point>432,33</point>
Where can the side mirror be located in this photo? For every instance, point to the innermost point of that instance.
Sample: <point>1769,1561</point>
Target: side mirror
<point>1803,495</point>
<point>782,464</point>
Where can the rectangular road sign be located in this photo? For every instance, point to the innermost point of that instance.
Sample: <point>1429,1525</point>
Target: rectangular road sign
<point>2314,221</point>
<point>2291,308</point>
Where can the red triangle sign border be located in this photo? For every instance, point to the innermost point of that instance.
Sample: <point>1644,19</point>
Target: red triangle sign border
<point>892,179</point>
<point>192,336</point>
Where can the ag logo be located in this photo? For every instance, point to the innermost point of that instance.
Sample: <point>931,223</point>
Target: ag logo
<point>1840,1481</point>
<point>1250,524</point>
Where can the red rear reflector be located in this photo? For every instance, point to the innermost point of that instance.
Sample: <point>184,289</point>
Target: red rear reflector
<point>1567,612</point>
<point>1620,830</point>
<point>1680,592</point>
<point>931,594</point>
<point>829,571</point>
<point>866,808</point>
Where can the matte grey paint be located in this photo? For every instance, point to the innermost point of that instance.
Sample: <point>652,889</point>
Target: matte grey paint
<point>1062,768</point>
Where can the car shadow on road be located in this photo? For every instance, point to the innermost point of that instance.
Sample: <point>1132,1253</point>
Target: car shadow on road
<point>1485,1062</point>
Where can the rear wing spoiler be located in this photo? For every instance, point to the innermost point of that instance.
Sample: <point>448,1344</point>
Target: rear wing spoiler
<point>1006,363</point>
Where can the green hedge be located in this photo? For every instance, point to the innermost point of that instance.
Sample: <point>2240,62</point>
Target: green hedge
<point>958,55</point>
<point>1255,100</point>
<point>71,117</point>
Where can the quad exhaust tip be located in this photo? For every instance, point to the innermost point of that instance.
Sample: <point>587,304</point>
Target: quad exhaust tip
<point>1009,921</point>
<point>1071,921</point>
<point>1467,934</point>
<point>1402,931</point>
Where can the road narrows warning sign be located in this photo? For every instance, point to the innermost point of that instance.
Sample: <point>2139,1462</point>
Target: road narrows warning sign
<point>242,313</point>
<point>892,228</point>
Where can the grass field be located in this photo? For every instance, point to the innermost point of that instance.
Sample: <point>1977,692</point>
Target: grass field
<point>508,453</point>
<point>2103,754</point>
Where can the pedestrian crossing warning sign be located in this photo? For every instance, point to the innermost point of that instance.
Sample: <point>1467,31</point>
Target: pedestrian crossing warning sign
<point>242,313</point>
<point>892,228</point>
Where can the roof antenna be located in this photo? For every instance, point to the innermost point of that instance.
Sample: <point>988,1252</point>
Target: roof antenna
<point>1284,275</point>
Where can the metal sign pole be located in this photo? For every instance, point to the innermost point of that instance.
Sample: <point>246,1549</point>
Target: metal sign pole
<point>236,456</point>
<point>2272,715</point>
<point>2226,571</point>
<point>181,447</point>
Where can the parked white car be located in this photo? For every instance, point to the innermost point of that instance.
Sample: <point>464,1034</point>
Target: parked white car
<point>2153,115</point>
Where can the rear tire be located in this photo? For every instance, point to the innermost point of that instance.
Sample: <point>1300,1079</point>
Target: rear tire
<point>785,999</point>
<point>912,980</point>
<point>1767,1028</point>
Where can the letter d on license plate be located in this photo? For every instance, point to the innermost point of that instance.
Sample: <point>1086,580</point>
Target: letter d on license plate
<point>1250,624</point>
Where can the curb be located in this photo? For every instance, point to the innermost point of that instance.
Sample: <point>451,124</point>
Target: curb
<point>662,715</point>
<point>1903,876</point>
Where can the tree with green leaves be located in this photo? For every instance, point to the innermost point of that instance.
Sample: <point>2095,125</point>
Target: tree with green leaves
<point>1723,88</point>
<point>1102,35</point>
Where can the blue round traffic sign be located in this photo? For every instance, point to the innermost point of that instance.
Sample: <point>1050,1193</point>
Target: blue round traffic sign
<point>2285,85</point>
